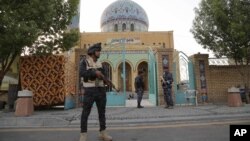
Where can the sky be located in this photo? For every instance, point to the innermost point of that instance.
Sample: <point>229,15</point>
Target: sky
<point>163,15</point>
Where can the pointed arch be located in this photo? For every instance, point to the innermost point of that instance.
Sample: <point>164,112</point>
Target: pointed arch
<point>136,65</point>
<point>128,77</point>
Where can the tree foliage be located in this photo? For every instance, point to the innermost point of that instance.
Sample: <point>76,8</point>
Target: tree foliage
<point>223,26</point>
<point>25,23</point>
<point>55,39</point>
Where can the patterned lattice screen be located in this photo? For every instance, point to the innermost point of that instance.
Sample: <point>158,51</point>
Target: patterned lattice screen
<point>45,77</point>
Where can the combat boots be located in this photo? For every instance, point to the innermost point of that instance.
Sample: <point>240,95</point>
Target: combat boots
<point>104,136</point>
<point>139,105</point>
<point>83,137</point>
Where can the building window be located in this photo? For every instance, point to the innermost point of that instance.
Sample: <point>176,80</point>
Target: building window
<point>123,27</point>
<point>132,27</point>
<point>137,11</point>
<point>116,28</point>
<point>163,45</point>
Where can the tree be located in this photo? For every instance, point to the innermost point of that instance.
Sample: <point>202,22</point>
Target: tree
<point>223,26</point>
<point>35,27</point>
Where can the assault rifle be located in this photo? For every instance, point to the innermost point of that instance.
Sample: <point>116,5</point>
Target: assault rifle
<point>107,81</point>
<point>165,82</point>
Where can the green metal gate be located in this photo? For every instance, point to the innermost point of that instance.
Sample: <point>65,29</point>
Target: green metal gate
<point>152,78</point>
<point>183,66</point>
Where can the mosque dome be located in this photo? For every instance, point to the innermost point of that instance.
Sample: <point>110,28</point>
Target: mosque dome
<point>124,15</point>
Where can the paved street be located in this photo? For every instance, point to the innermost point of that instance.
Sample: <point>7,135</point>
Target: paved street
<point>183,123</point>
<point>205,131</point>
<point>125,115</point>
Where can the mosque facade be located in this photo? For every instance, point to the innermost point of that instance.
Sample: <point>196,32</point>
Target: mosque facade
<point>127,45</point>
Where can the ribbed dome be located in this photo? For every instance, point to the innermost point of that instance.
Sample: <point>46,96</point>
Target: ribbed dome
<point>124,11</point>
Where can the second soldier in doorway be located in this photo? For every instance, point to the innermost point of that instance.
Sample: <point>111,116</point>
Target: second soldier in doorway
<point>139,88</point>
<point>93,76</point>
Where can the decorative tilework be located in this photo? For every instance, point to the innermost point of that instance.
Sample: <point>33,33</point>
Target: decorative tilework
<point>124,10</point>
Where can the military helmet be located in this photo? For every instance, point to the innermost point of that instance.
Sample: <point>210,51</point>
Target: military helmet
<point>93,48</point>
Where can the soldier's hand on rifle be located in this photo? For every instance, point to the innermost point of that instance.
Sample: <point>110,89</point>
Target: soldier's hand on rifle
<point>107,81</point>
<point>99,74</point>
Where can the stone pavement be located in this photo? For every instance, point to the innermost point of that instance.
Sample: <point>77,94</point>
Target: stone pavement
<point>126,116</point>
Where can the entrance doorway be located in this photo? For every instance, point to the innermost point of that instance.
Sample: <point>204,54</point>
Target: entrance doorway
<point>128,77</point>
<point>144,67</point>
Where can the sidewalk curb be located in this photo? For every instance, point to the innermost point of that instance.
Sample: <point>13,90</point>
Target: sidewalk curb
<point>50,122</point>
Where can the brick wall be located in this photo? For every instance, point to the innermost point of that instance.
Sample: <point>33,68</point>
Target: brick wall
<point>218,79</point>
<point>221,78</point>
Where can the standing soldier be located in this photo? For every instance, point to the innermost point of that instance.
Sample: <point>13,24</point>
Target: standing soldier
<point>139,88</point>
<point>93,76</point>
<point>167,80</point>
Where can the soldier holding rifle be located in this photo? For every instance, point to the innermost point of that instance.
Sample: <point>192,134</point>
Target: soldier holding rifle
<point>167,80</point>
<point>94,78</point>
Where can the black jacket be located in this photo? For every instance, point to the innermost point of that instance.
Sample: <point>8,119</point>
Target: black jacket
<point>139,82</point>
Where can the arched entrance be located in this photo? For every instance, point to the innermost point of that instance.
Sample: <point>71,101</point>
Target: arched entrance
<point>128,77</point>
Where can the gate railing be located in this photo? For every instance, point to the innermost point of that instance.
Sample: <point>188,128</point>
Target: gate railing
<point>180,89</point>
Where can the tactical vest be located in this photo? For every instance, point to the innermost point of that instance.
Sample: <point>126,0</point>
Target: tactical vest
<point>93,65</point>
<point>168,78</point>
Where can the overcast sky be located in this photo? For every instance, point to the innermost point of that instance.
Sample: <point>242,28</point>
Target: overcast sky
<point>163,15</point>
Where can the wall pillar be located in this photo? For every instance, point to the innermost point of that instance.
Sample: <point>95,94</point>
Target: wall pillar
<point>159,64</point>
<point>202,77</point>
